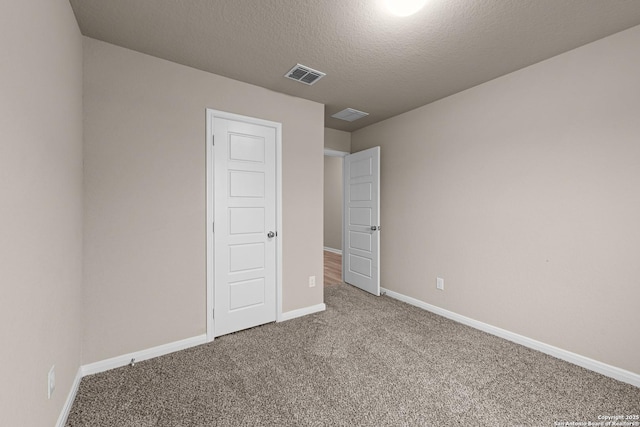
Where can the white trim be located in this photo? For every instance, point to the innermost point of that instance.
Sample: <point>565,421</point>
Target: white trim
<point>280,229</point>
<point>210,114</point>
<point>302,312</point>
<point>335,153</point>
<point>64,414</point>
<point>210,273</point>
<point>125,359</point>
<point>344,203</point>
<point>335,251</point>
<point>585,362</point>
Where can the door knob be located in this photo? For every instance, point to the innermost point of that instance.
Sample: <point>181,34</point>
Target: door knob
<point>271,234</point>
<point>374,228</point>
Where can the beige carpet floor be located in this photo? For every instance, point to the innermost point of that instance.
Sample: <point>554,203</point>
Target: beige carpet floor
<point>370,361</point>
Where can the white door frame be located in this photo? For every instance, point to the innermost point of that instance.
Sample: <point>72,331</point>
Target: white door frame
<point>335,153</point>
<point>210,189</point>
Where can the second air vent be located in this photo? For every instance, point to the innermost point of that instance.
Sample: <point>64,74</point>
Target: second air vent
<point>304,74</point>
<point>350,115</point>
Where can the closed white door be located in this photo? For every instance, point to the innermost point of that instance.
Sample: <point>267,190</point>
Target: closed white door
<point>361,253</point>
<point>244,225</point>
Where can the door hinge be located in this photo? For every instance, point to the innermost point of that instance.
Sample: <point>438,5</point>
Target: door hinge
<point>213,313</point>
<point>213,227</point>
<point>213,140</point>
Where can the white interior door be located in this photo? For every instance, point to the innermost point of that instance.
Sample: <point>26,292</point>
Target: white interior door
<point>244,224</point>
<point>361,253</point>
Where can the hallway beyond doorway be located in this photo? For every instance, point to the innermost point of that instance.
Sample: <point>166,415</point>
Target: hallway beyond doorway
<point>332,268</point>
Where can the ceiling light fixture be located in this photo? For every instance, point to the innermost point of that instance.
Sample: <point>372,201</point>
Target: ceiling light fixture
<point>404,7</point>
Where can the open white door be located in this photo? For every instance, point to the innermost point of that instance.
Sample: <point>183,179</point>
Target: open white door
<point>245,232</point>
<point>361,252</point>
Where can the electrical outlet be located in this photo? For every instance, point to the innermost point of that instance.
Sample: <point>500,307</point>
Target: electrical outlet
<point>440,283</point>
<point>312,281</point>
<point>51,381</point>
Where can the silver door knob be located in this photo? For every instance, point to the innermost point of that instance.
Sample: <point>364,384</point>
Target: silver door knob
<point>271,234</point>
<point>374,228</point>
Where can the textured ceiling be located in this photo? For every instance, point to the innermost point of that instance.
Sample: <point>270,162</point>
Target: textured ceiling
<point>374,62</point>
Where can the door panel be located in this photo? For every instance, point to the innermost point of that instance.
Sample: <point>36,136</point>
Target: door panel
<point>246,148</point>
<point>361,260</point>
<point>246,257</point>
<point>361,192</point>
<point>246,294</point>
<point>360,240</point>
<point>359,216</point>
<point>244,212</point>
<point>360,265</point>
<point>246,184</point>
<point>246,220</point>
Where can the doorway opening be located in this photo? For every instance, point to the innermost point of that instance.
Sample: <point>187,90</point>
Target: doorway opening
<point>333,215</point>
<point>359,245</point>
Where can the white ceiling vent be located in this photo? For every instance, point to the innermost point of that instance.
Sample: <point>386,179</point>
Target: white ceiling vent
<point>350,115</point>
<point>304,74</point>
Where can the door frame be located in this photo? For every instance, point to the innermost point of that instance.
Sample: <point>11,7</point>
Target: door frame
<point>210,198</point>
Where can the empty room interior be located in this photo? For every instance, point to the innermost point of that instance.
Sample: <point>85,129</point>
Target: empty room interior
<point>300,212</point>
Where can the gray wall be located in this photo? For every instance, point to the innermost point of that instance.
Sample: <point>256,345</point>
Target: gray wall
<point>40,207</point>
<point>144,245</point>
<point>337,140</point>
<point>523,194</point>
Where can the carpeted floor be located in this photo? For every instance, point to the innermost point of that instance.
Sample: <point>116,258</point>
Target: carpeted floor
<point>365,361</point>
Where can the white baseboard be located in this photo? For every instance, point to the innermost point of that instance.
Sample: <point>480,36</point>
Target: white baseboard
<point>125,359</point>
<point>64,414</point>
<point>335,251</point>
<point>302,312</point>
<point>585,362</point>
